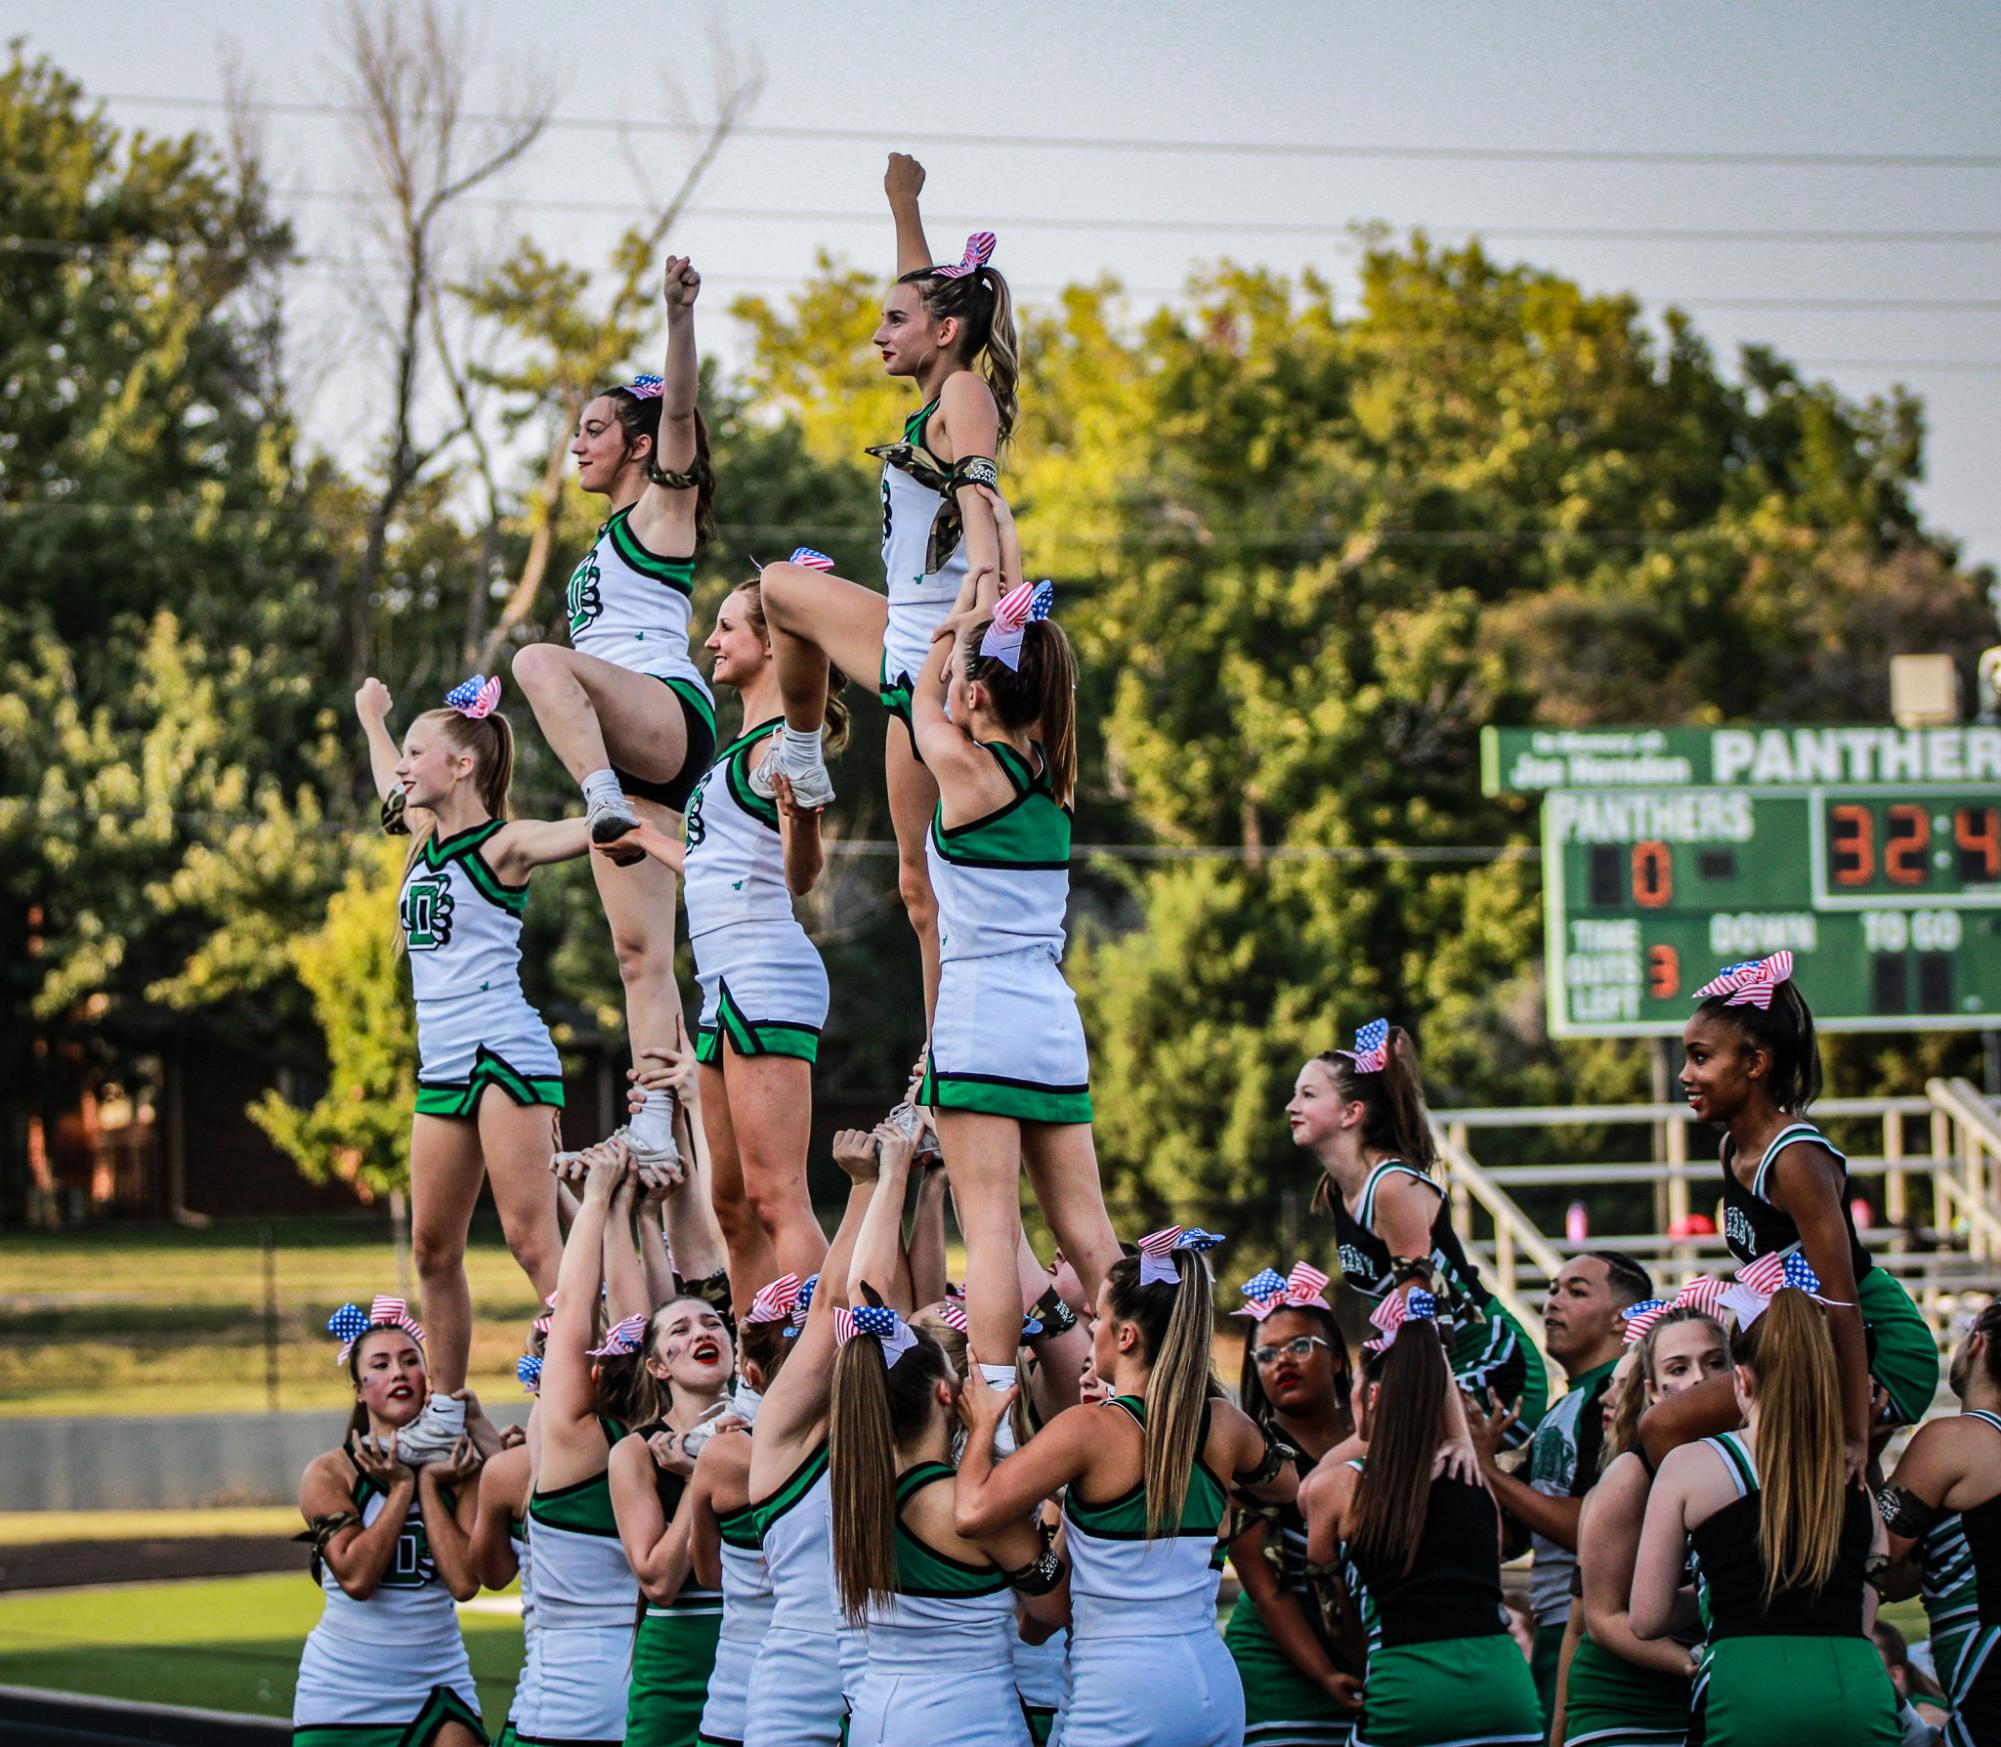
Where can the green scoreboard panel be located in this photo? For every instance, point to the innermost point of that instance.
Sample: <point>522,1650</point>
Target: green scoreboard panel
<point>1888,893</point>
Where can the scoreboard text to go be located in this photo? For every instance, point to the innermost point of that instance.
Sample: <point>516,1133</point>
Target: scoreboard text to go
<point>1891,900</point>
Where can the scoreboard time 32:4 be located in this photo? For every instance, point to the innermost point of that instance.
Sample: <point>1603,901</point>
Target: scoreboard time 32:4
<point>1874,854</point>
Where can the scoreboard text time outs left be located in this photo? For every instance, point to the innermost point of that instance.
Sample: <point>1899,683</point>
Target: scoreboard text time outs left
<point>1888,893</point>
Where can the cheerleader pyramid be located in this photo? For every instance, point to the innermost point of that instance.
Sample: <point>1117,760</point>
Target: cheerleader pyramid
<point>780,1487</point>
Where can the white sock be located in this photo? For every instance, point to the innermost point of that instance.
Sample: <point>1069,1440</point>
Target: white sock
<point>801,746</point>
<point>745,1401</point>
<point>653,1126</point>
<point>1001,1377</point>
<point>448,1411</point>
<point>602,785</point>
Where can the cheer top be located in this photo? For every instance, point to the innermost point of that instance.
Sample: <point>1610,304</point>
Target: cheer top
<point>747,1596</point>
<point>942,1607</point>
<point>1003,881</point>
<point>1753,1227</point>
<point>581,1577</point>
<point>1962,1562</point>
<point>914,507</point>
<point>691,1598</point>
<point>461,922</point>
<point>630,606</point>
<point>1123,1585</point>
<point>735,866</point>
<point>1453,1586</point>
<point>796,1526</point>
<point>409,1606</point>
<point>1730,1576</point>
<point>1365,1258</point>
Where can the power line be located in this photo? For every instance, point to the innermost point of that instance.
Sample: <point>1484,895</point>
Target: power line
<point>1101,143</point>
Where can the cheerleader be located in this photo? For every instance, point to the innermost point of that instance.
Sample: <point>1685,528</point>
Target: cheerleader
<point>724,1547</point>
<point>1007,1072</point>
<point>1361,1113</point>
<point>585,1592</point>
<point>1623,1691</point>
<point>1944,1512</point>
<point>939,1607</point>
<point>501,1554</point>
<point>689,1355</point>
<point>1148,1481</point>
<point>392,1551</point>
<point>1753,1068</point>
<point>742,861</point>
<point>807,1659</point>
<point>624,707</point>
<point>950,329</point>
<point>1300,1688</point>
<point>489,1081</point>
<point>1782,1544</point>
<point>1421,1550</point>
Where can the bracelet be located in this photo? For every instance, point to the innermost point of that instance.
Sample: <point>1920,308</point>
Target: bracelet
<point>1905,1513</point>
<point>1056,1317</point>
<point>393,822</point>
<point>698,475</point>
<point>974,470</point>
<point>1040,1575</point>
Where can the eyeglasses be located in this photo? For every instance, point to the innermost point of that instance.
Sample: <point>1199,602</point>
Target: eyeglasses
<point>1299,1347</point>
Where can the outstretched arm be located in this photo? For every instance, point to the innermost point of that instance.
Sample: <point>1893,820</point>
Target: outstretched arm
<point>522,845</point>
<point>799,1396</point>
<point>656,843</point>
<point>664,517</point>
<point>879,1260</point>
<point>903,182</point>
<point>372,705</point>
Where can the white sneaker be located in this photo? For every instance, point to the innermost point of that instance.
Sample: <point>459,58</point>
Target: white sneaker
<point>611,820</point>
<point>812,787</point>
<point>647,1158</point>
<point>433,1434</point>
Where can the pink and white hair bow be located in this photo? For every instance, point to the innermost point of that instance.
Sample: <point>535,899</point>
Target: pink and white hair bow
<point>349,1323</point>
<point>1271,1292</point>
<point>877,1321</point>
<point>811,560</point>
<point>1371,1053</point>
<point>953,1315</point>
<point>774,1300</point>
<point>475,697</point>
<point>624,1337</point>
<point>979,251</point>
<point>1416,1305</point>
<point>1014,612</point>
<point>1156,1252</point>
<point>1704,1293</point>
<point>1751,983</point>
<point>1759,1282</point>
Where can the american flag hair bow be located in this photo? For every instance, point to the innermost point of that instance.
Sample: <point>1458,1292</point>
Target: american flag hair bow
<point>810,559</point>
<point>1750,983</point>
<point>542,1324</point>
<point>953,1314</point>
<point>877,1321</point>
<point>804,1302</point>
<point>1156,1251</point>
<point>623,1337</point>
<point>979,251</point>
<point>1371,1053</point>
<point>1271,1291</point>
<point>528,1370</point>
<point>1416,1305</point>
<point>774,1300</point>
<point>475,697</point>
<point>349,1323</point>
<point>645,387</point>
<point>1014,612</point>
<point>1704,1293</point>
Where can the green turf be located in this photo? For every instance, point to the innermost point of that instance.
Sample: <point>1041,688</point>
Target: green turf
<point>227,1644</point>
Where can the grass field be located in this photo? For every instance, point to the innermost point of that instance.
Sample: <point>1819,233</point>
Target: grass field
<point>121,1319</point>
<point>227,1644</point>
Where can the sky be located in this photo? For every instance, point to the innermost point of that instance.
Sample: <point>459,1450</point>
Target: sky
<point>1405,113</point>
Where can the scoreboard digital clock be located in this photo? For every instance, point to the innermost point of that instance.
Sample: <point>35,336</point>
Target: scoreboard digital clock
<point>1888,893</point>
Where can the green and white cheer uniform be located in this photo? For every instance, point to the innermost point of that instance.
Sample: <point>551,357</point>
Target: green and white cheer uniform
<point>764,989</point>
<point>1007,1040</point>
<point>389,1671</point>
<point>922,583</point>
<point>462,925</point>
<point>630,607</point>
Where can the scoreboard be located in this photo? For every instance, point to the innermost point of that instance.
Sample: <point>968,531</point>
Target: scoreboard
<point>1668,854</point>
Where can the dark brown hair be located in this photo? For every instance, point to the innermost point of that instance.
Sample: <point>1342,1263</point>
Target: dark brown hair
<point>1406,1426</point>
<point>641,418</point>
<point>1393,1114</point>
<point>1040,693</point>
<point>1785,1029</point>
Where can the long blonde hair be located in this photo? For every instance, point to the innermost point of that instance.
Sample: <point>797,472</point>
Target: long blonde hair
<point>1176,1323</point>
<point>1799,1442</point>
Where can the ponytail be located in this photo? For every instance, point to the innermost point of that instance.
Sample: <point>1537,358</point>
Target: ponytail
<point>1177,1324</point>
<point>984,308</point>
<point>1041,692</point>
<point>491,742</point>
<point>641,418</point>
<point>1785,1031</point>
<point>1406,1425</point>
<point>837,719</point>
<point>1800,1468</point>
<point>1394,1118</point>
<point>873,1407</point>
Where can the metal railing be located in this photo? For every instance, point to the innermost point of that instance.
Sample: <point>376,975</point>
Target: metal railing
<point>1967,1137</point>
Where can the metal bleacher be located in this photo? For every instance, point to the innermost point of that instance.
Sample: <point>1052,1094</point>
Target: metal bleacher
<point>1930,1162</point>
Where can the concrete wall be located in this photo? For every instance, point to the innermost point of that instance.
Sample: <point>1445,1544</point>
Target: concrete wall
<point>174,1462</point>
